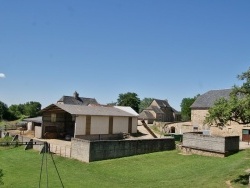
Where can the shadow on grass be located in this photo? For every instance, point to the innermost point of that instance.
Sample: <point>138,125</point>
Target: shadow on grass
<point>1,175</point>
<point>242,179</point>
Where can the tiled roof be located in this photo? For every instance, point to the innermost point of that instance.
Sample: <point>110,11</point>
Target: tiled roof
<point>78,101</point>
<point>92,110</point>
<point>155,109</point>
<point>207,99</point>
<point>146,115</point>
<point>162,103</point>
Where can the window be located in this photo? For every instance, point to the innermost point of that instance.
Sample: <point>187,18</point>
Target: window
<point>53,117</point>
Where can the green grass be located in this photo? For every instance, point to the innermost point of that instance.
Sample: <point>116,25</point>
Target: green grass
<point>163,169</point>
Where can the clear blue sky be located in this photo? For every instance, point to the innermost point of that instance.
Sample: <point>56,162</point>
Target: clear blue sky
<point>156,48</point>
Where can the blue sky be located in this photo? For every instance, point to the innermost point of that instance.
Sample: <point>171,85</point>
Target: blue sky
<point>161,49</point>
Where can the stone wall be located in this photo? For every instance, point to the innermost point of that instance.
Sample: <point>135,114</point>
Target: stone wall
<point>211,143</point>
<point>89,151</point>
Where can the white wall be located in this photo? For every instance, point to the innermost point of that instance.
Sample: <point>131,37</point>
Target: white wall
<point>99,125</point>
<point>80,125</point>
<point>38,131</point>
<point>134,124</point>
<point>120,125</point>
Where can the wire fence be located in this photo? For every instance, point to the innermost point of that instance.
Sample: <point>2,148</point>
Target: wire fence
<point>64,151</point>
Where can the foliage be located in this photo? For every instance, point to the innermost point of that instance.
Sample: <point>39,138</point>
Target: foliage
<point>111,104</point>
<point>185,108</point>
<point>129,99</point>
<point>145,103</point>
<point>29,109</point>
<point>160,169</point>
<point>236,108</point>
<point>3,111</point>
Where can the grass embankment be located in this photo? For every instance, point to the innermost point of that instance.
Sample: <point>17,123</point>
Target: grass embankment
<point>163,169</point>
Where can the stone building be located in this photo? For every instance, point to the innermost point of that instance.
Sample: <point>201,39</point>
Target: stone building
<point>199,110</point>
<point>159,110</point>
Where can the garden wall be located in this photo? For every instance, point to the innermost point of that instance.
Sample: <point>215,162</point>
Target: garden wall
<point>89,151</point>
<point>207,143</point>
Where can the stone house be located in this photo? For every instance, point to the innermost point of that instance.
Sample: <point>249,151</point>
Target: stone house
<point>87,122</point>
<point>199,110</point>
<point>76,100</point>
<point>159,110</point>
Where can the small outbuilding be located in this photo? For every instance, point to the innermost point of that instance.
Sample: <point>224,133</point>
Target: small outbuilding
<point>87,122</point>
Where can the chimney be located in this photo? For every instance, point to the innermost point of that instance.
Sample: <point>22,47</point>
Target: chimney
<point>76,95</point>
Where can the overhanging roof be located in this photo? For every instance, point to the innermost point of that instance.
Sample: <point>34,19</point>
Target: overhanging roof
<point>35,119</point>
<point>93,110</point>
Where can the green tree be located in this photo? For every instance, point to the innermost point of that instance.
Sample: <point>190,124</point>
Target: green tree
<point>185,108</point>
<point>129,99</point>
<point>145,103</point>
<point>236,108</point>
<point>16,110</point>
<point>4,114</point>
<point>32,108</point>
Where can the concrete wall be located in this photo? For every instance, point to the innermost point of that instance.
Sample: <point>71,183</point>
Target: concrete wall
<point>80,149</point>
<point>120,125</point>
<point>88,151</point>
<point>211,143</point>
<point>80,125</point>
<point>38,131</point>
<point>100,125</point>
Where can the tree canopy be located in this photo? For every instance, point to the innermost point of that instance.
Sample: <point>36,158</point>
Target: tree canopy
<point>29,109</point>
<point>236,108</point>
<point>3,111</point>
<point>185,108</point>
<point>145,103</point>
<point>129,99</point>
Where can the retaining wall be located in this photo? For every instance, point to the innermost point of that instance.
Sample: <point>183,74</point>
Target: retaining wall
<point>89,151</point>
<point>207,143</point>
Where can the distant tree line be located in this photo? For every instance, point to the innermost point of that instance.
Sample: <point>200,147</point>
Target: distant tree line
<point>17,111</point>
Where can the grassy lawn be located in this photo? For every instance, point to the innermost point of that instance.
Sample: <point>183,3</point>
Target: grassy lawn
<point>163,169</point>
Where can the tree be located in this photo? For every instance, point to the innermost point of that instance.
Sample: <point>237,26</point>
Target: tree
<point>236,108</point>
<point>4,112</point>
<point>129,99</point>
<point>32,108</point>
<point>145,103</point>
<point>185,108</point>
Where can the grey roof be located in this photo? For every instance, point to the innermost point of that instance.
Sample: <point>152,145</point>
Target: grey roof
<point>91,110</point>
<point>162,103</point>
<point>155,109</point>
<point>78,101</point>
<point>175,111</point>
<point>35,119</point>
<point>146,115</point>
<point>208,99</point>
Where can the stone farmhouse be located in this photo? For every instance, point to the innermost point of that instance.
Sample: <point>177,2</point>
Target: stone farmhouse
<point>199,109</point>
<point>76,100</point>
<point>159,110</point>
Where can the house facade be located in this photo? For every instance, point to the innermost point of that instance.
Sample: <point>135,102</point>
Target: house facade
<point>87,122</point>
<point>199,110</point>
<point>160,110</point>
